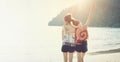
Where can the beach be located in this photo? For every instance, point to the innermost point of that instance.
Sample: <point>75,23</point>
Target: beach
<point>104,48</point>
<point>108,56</point>
<point>113,57</point>
<point>47,48</point>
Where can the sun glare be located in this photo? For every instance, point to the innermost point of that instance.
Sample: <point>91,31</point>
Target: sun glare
<point>82,6</point>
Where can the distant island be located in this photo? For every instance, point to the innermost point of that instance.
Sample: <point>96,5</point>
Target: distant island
<point>107,14</point>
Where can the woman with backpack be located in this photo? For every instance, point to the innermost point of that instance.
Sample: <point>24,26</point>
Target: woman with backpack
<point>81,35</point>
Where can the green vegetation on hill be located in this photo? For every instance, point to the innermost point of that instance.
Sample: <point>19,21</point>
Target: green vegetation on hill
<point>107,14</point>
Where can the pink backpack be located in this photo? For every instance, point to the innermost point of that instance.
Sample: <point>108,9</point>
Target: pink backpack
<point>81,35</point>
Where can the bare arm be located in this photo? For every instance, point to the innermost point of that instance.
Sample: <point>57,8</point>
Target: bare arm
<point>90,14</point>
<point>63,31</point>
<point>73,25</point>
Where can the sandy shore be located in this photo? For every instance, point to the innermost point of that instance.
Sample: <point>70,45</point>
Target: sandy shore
<point>113,57</point>
<point>117,50</point>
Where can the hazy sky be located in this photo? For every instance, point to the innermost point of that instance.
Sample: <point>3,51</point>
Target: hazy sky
<point>29,10</point>
<point>25,19</point>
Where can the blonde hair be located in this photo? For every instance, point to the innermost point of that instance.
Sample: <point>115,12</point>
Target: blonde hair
<point>76,23</point>
<point>68,17</point>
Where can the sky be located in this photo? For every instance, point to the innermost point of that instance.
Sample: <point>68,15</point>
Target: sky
<point>27,11</point>
<point>23,20</point>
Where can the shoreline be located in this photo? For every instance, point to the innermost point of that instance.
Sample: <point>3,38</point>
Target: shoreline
<point>114,57</point>
<point>105,52</point>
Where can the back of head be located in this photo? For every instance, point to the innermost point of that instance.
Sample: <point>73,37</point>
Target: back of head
<point>75,22</point>
<point>67,18</point>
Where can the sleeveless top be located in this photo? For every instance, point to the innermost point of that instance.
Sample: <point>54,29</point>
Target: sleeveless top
<point>68,38</point>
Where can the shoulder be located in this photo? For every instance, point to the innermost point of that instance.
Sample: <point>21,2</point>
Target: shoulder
<point>75,23</point>
<point>64,27</point>
<point>79,29</point>
<point>85,26</point>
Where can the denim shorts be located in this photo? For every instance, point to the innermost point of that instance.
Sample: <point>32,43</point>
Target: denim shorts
<point>81,47</point>
<point>68,43</point>
<point>67,48</point>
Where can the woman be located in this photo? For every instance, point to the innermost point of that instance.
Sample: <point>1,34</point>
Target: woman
<point>81,35</point>
<point>68,46</point>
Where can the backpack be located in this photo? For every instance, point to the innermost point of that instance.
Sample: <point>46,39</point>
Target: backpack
<point>81,35</point>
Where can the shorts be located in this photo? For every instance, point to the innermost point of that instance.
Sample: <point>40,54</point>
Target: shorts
<point>82,47</point>
<point>66,48</point>
<point>68,43</point>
